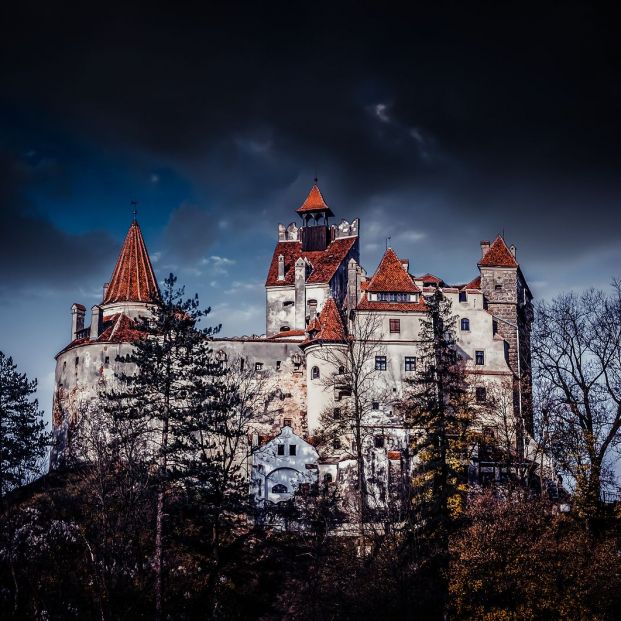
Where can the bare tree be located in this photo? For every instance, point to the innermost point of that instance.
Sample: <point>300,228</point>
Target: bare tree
<point>353,378</point>
<point>577,354</point>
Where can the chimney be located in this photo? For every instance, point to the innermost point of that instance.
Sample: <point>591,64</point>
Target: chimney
<point>484,248</point>
<point>77,319</point>
<point>105,290</point>
<point>281,267</point>
<point>513,250</point>
<point>406,264</point>
<point>282,232</point>
<point>95,322</point>
<point>300,294</point>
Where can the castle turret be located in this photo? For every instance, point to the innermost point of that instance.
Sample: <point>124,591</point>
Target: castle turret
<point>508,299</point>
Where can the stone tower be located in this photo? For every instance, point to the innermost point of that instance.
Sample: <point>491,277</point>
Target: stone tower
<point>88,362</point>
<point>507,297</point>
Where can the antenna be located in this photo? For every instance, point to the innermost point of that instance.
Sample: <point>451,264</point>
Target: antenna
<point>134,204</point>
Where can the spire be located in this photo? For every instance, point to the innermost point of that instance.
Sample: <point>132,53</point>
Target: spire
<point>498,255</point>
<point>391,276</point>
<point>133,279</point>
<point>314,203</point>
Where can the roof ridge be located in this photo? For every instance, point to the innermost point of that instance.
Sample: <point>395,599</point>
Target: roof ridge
<point>392,276</point>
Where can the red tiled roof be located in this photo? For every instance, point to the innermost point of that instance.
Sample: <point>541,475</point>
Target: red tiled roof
<point>324,263</point>
<point>314,202</point>
<point>392,276</point>
<point>287,333</point>
<point>394,455</point>
<point>498,255</point>
<point>117,328</point>
<point>430,278</point>
<point>401,307</point>
<point>328,326</point>
<point>133,279</point>
<point>475,283</point>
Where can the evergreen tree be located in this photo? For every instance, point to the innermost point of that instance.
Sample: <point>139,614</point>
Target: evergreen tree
<point>440,411</point>
<point>23,439</point>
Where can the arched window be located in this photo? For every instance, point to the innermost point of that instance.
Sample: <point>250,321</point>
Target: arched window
<point>315,373</point>
<point>465,325</point>
<point>279,488</point>
<point>327,477</point>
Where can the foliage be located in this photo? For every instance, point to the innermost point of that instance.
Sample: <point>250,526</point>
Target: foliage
<point>23,439</point>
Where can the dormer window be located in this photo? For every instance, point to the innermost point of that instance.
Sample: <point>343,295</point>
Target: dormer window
<point>393,297</point>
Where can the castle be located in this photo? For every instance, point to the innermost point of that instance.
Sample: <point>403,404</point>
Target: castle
<point>315,288</point>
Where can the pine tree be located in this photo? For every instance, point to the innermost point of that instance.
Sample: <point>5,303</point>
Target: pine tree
<point>23,439</point>
<point>440,411</point>
<point>155,393</point>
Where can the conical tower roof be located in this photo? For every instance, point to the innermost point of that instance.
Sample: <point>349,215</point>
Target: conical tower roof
<point>498,255</point>
<point>133,279</point>
<point>314,203</point>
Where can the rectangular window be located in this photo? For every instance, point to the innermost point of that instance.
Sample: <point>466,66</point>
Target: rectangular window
<point>286,422</point>
<point>336,443</point>
<point>410,363</point>
<point>479,357</point>
<point>375,405</point>
<point>380,363</point>
<point>395,325</point>
<point>463,297</point>
<point>278,365</point>
<point>481,394</point>
<point>379,441</point>
<point>258,366</point>
<point>292,449</point>
<point>281,449</point>
<point>336,413</point>
<point>498,287</point>
<point>107,360</point>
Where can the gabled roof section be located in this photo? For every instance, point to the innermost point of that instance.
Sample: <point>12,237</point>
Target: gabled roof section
<point>430,279</point>
<point>324,263</point>
<point>391,276</point>
<point>328,326</point>
<point>475,283</point>
<point>498,255</point>
<point>314,203</point>
<point>133,279</point>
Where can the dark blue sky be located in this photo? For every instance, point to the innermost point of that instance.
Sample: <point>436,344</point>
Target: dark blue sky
<point>439,127</point>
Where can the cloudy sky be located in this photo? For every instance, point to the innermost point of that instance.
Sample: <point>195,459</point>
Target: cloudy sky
<point>437,127</point>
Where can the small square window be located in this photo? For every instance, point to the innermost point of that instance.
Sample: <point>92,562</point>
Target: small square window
<point>281,449</point>
<point>286,422</point>
<point>410,363</point>
<point>292,449</point>
<point>498,287</point>
<point>395,325</point>
<point>479,357</point>
<point>336,444</point>
<point>336,414</point>
<point>463,297</point>
<point>258,366</point>
<point>481,394</point>
<point>379,441</point>
<point>380,363</point>
<point>375,405</point>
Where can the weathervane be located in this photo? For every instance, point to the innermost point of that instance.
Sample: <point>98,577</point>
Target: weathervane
<point>387,240</point>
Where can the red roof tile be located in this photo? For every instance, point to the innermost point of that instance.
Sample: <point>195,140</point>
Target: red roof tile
<point>392,276</point>
<point>328,326</point>
<point>475,283</point>
<point>324,263</point>
<point>314,202</point>
<point>427,278</point>
<point>117,328</point>
<point>287,333</point>
<point>498,255</point>
<point>401,307</point>
<point>133,279</point>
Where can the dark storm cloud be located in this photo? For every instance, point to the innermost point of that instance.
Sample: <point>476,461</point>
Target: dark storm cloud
<point>465,115</point>
<point>36,257</point>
